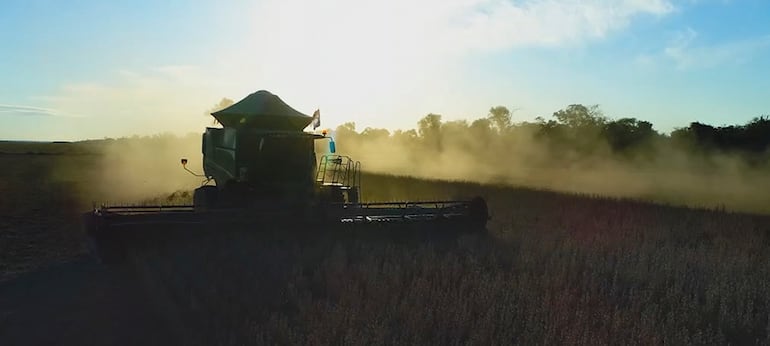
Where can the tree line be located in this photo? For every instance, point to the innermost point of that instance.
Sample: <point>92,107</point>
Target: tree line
<point>575,132</point>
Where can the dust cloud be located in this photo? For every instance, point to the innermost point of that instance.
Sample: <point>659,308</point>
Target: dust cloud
<point>661,173</point>
<point>147,169</point>
<point>136,169</point>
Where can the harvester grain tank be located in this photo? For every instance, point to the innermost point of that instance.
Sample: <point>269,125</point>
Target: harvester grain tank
<point>261,168</point>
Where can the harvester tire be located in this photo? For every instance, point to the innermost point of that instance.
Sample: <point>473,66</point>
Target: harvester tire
<point>205,198</point>
<point>478,213</point>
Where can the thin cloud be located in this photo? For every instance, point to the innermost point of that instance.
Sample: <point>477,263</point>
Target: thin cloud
<point>441,25</point>
<point>166,98</point>
<point>500,24</point>
<point>19,110</point>
<point>686,52</point>
<point>413,51</point>
<point>356,56</point>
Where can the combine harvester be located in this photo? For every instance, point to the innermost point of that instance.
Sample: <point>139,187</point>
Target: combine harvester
<point>266,174</point>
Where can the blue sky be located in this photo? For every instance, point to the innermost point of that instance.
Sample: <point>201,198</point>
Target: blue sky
<point>92,69</point>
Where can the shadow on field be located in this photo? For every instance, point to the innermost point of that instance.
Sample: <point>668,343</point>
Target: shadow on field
<point>79,303</point>
<point>268,285</point>
<point>218,287</point>
<point>557,269</point>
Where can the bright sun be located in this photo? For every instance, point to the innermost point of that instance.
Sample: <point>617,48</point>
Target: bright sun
<point>354,64</point>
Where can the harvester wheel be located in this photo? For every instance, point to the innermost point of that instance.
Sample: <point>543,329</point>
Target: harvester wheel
<point>479,213</point>
<point>205,198</point>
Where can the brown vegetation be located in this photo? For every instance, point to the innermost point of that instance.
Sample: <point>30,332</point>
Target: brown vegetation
<point>563,269</point>
<point>557,268</point>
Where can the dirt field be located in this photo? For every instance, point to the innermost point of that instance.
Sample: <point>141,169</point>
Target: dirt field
<point>557,268</point>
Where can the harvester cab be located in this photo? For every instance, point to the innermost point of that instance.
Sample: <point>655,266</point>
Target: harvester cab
<point>262,166</point>
<point>256,167</point>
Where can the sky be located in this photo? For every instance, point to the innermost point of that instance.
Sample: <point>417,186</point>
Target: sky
<point>87,69</point>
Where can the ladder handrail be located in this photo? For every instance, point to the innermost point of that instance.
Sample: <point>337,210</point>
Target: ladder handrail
<point>340,170</point>
<point>343,170</point>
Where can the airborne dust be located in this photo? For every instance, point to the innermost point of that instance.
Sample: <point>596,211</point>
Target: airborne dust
<point>671,176</point>
<point>138,169</point>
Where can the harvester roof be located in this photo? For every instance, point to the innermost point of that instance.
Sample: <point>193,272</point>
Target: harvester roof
<point>262,110</point>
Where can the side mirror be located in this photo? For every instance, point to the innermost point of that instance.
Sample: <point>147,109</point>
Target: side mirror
<point>184,165</point>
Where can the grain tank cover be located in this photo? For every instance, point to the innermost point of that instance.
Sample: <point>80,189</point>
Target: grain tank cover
<point>262,110</point>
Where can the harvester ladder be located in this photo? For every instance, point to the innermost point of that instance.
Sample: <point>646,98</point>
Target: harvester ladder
<point>340,171</point>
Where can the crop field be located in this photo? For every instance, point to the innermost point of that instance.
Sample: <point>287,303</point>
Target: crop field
<point>554,268</point>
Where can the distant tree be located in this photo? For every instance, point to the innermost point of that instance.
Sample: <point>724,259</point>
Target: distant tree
<point>481,128</point>
<point>753,137</point>
<point>704,134</point>
<point>580,116</point>
<point>681,134</point>
<point>346,132</point>
<point>697,136</point>
<point>626,133</point>
<point>375,134</point>
<point>548,128</point>
<point>456,134</point>
<point>429,129</point>
<point>429,125</point>
<point>481,132</point>
<point>576,132</point>
<point>757,134</point>
<point>500,117</point>
<point>455,127</point>
<point>408,137</point>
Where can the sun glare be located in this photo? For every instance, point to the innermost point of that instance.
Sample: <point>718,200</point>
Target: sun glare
<point>351,65</point>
